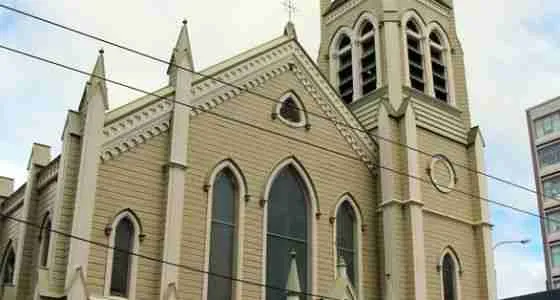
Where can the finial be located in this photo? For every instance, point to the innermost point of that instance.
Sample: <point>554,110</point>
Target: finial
<point>185,21</point>
<point>290,6</point>
<point>101,51</point>
<point>341,267</point>
<point>293,253</point>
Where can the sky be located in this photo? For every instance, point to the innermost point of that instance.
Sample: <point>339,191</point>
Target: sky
<point>512,55</point>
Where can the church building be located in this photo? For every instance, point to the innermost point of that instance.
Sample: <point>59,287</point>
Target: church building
<point>274,175</point>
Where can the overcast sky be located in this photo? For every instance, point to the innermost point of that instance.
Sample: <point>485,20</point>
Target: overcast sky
<point>511,51</point>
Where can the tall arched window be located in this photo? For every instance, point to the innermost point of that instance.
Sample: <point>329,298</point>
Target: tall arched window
<point>287,230</point>
<point>439,69</point>
<point>8,266</point>
<point>345,70</point>
<point>121,267</point>
<point>45,241</point>
<point>368,59</point>
<point>449,278</point>
<point>345,240</point>
<point>415,56</point>
<point>223,229</point>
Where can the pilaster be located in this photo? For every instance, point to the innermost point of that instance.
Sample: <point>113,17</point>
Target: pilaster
<point>92,112</point>
<point>182,81</point>
<point>415,204</point>
<point>391,27</point>
<point>391,212</point>
<point>40,157</point>
<point>72,127</point>
<point>476,144</point>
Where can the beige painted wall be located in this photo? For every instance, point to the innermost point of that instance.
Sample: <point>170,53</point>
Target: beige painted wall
<point>213,140</point>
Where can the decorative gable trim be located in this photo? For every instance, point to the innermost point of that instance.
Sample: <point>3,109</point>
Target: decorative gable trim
<point>136,128</point>
<point>342,9</point>
<point>279,61</point>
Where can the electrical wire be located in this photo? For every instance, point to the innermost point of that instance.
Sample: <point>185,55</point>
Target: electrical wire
<point>400,173</point>
<point>146,55</point>
<point>182,266</point>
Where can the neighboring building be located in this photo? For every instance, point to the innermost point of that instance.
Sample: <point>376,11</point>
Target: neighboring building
<point>544,133</point>
<point>189,187</point>
<point>548,295</point>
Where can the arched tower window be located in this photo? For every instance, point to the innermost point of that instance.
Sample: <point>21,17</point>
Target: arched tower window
<point>345,239</point>
<point>287,230</point>
<point>439,68</point>
<point>345,69</point>
<point>8,265</point>
<point>121,270</point>
<point>415,56</point>
<point>368,59</point>
<point>223,229</point>
<point>45,241</point>
<point>449,278</point>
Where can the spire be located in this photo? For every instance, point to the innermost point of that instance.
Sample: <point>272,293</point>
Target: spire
<point>181,51</point>
<point>292,284</point>
<point>290,30</point>
<point>96,83</point>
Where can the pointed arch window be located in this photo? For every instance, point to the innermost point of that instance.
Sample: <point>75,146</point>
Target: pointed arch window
<point>287,230</point>
<point>368,59</point>
<point>439,68</point>
<point>8,266</point>
<point>223,230</point>
<point>345,69</point>
<point>449,277</point>
<point>415,56</point>
<point>345,238</point>
<point>124,245</point>
<point>45,241</point>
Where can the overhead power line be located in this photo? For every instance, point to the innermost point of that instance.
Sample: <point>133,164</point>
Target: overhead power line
<point>219,80</point>
<point>400,173</point>
<point>175,264</point>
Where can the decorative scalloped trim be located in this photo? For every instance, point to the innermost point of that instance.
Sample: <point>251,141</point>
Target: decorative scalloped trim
<point>360,142</point>
<point>339,11</point>
<point>138,137</point>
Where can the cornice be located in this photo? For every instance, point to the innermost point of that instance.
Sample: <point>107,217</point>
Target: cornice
<point>136,128</point>
<point>336,11</point>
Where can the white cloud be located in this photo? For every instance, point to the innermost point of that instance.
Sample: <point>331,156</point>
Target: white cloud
<point>509,67</point>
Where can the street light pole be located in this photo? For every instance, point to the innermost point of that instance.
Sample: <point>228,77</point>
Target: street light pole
<point>501,243</point>
<point>522,242</point>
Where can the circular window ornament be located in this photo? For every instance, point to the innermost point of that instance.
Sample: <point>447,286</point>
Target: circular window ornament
<point>291,111</point>
<point>442,174</point>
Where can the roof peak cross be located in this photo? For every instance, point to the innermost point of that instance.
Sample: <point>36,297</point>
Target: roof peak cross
<point>291,8</point>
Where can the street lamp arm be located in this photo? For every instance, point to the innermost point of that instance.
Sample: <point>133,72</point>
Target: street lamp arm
<point>523,242</point>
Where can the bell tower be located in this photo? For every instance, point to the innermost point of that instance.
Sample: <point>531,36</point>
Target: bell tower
<point>398,65</point>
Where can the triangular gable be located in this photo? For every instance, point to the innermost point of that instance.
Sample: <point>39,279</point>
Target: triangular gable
<point>253,69</point>
<point>245,72</point>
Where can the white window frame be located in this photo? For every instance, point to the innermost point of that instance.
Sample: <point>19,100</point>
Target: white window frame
<point>335,62</point>
<point>358,257</point>
<point>366,17</point>
<point>134,259</point>
<point>312,219</point>
<point>412,16</point>
<point>11,245</point>
<point>46,219</point>
<point>448,61</point>
<point>302,112</point>
<point>239,235</point>
<point>458,271</point>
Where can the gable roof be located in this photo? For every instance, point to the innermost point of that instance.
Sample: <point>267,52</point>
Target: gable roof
<point>252,68</point>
